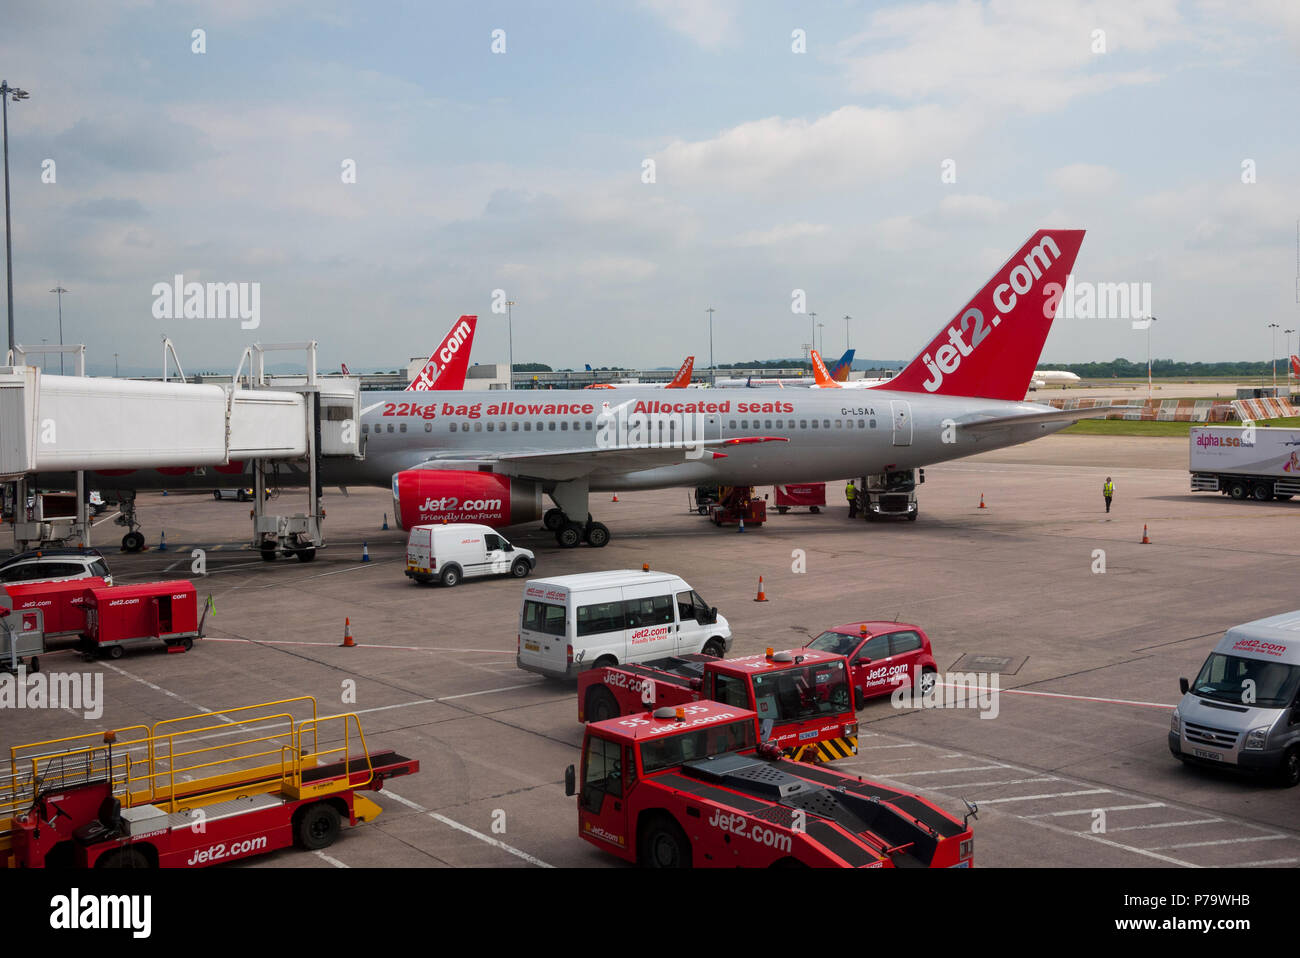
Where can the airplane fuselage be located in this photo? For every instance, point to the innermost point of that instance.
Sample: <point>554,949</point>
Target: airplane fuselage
<point>828,436</point>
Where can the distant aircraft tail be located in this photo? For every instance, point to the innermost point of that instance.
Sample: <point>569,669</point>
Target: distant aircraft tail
<point>344,367</point>
<point>820,374</point>
<point>1295,365</point>
<point>840,369</point>
<point>446,367</point>
<point>683,377</point>
<point>990,349</point>
<point>587,367</point>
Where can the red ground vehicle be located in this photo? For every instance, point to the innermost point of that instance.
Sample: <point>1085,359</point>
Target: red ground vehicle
<point>124,615</point>
<point>192,791</point>
<point>736,503</point>
<point>882,656</point>
<point>810,494</point>
<point>60,602</point>
<point>803,700</point>
<point>689,786</point>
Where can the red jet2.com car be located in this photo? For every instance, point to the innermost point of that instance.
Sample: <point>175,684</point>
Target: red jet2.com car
<point>882,656</point>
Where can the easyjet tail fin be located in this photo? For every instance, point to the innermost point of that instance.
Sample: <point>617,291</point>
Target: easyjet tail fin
<point>822,377</point>
<point>683,377</point>
<point>990,348</point>
<point>446,367</point>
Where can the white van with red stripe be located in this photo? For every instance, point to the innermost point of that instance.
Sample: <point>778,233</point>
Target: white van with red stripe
<point>595,619</point>
<point>1243,709</point>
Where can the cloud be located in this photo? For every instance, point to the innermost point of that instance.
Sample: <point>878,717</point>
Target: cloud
<point>1084,178</point>
<point>135,143</point>
<point>1018,53</point>
<point>779,235</point>
<point>708,23</point>
<point>109,208</point>
<point>848,146</point>
<point>969,206</point>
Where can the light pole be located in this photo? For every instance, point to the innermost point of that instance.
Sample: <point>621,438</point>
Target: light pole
<point>822,341</point>
<point>116,375</point>
<point>1273,355</point>
<point>60,290</point>
<point>1147,325</point>
<point>510,332</point>
<point>1287,333</point>
<point>713,376</point>
<point>7,92</point>
<point>812,343</point>
<point>846,333</point>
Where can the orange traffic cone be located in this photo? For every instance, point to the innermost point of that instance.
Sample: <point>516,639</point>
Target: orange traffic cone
<point>1146,539</point>
<point>762,596</point>
<point>348,641</point>
<point>982,506</point>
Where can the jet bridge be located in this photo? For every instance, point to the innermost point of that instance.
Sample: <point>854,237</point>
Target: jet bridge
<point>72,424</point>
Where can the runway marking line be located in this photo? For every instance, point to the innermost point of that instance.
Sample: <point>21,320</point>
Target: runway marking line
<point>1062,695</point>
<point>486,839</point>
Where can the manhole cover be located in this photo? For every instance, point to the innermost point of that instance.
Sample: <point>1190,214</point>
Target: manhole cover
<point>978,662</point>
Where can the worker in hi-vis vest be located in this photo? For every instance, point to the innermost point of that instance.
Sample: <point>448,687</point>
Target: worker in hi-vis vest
<point>1108,490</point>
<point>851,494</point>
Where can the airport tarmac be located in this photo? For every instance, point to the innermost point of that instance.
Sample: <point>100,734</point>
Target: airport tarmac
<point>1072,771</point>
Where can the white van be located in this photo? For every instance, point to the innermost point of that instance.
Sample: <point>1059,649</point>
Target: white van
<point>451,551</point>
<point>1243,709</point>
<point>577,622</point>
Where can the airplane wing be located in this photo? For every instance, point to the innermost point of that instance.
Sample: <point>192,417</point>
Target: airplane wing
<point>576,463</point>
<point>1057,415</point>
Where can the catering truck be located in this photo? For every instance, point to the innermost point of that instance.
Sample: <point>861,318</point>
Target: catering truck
<point>1245,462</point>
<point>1243,709</point>
<point>690,786</point>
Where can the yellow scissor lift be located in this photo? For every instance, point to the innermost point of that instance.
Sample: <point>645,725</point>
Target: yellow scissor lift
<point>191,791</point>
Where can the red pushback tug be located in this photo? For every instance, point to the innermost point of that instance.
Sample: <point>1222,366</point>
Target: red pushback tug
<point>803,698</point>
<point>690,786</point>
<point>737,504</point>
<point>191,791</point>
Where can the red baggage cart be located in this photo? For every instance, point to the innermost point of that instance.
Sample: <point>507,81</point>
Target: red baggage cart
<point>124,615</point>
<point>810,494</point>
<point>59,602</point>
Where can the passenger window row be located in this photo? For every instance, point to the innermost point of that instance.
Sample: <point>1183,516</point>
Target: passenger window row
<point>628,614</point>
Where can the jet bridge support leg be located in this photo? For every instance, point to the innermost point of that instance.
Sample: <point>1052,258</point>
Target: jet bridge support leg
<point>300,534</point>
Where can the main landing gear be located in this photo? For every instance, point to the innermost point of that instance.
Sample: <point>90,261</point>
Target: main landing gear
<point>570,534</point>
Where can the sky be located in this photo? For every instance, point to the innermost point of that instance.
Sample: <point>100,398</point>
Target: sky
<point>374,170</point>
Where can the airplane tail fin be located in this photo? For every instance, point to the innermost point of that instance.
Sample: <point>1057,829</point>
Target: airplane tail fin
<point>446,367</point>
<point>1295,365</point>
<point>683,377</point>
<point>841,368</point>
<point>820,374</point>
<point>990,348</point>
